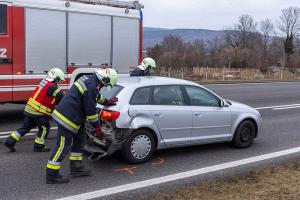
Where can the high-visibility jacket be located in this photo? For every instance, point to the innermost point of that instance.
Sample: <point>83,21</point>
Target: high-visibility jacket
<point>44,99</point>
<point>79,104</point>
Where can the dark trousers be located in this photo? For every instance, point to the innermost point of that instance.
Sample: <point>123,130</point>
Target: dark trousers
<point>43,124</point>
<point>66,141</point>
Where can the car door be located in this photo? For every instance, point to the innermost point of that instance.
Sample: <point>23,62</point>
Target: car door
<point>172,115</point>
<point>211,122</point>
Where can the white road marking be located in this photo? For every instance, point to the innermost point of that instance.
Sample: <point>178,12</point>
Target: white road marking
<point>284,108</point>
<point>178,176</point>
<point>274,107</point>
<point>33,130</point>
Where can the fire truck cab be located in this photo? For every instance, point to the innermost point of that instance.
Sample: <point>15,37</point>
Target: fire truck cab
<point>77,36</point>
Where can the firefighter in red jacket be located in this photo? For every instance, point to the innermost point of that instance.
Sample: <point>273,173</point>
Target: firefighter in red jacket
<point>78,107</point>
<point>38,111</point>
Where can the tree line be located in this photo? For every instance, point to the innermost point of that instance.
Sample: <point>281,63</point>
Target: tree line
<point>248,44</point>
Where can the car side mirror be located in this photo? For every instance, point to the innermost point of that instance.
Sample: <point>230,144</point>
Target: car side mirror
<point>224,104</point>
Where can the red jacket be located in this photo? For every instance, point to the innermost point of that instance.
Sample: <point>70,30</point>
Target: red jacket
<point>44,99</point>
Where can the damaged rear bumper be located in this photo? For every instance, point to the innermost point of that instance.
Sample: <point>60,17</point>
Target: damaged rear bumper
<point>110,141</point>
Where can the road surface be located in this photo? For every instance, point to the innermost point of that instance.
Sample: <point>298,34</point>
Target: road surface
<point>23,173</point>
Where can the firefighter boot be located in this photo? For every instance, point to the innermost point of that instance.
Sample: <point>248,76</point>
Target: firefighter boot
<point>40,148</point>
<point>10,143</point>
<point>78,169</point>
<point>53,177</point>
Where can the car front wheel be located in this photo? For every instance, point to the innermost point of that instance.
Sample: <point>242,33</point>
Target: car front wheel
<point>138,147</point>
<point>244,135</point>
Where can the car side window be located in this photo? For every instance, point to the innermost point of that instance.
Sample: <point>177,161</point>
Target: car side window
<point>3,18</point>
<point>201,97</point>
<point>140,96</point>
<point>168,95</point>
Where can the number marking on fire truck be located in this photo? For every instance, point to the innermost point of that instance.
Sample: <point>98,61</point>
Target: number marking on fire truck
<point>3,53</point>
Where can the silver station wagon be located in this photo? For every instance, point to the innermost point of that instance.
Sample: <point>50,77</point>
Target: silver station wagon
<point>158,113</point>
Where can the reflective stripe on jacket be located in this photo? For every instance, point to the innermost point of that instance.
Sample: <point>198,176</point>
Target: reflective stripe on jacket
<point>79,104</point>
<point>41,102</point>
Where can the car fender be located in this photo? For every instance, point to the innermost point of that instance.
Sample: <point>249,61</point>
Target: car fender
<point>143,121</point>
<point>243,116</point>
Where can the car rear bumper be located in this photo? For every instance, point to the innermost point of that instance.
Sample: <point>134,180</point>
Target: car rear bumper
<point>110,141</point>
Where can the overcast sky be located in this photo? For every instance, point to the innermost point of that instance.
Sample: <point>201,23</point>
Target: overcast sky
<point>209,14</point>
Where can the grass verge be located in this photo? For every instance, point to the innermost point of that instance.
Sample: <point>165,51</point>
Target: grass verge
<point>276,183</point>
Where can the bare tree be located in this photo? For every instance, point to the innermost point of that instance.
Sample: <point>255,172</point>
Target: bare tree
<point>267,29</point>
<point>173,47</point>
<point>289,25</point>
<point>247,31</point>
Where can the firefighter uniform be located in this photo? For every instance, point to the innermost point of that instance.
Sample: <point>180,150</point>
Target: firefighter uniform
<point>139,72</point>
<point>77,107</point>
<point>37,113</point>
<point>144,69</point>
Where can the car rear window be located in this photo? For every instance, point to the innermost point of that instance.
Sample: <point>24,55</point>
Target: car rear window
<point>140,96</point>
<point>3,18</point>
<point>108,93</point>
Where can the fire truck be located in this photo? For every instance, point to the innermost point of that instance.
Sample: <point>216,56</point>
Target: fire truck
<point>77,36</point>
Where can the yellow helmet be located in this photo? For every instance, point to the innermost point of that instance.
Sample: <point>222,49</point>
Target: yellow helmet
<point>108,76</point>
<point>147,63</point>
<point>55,75</point>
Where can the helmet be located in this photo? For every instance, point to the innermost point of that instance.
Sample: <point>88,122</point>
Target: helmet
<point>108,76</point>
<point>147,63</point>
<point>55,75</point>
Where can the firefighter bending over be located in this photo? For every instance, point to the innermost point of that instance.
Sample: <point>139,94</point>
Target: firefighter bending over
<point>38,111</point>
<point>78,107</point>
<point>144,69</point>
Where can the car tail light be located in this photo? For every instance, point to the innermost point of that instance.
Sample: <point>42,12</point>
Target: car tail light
<point>109,116</point>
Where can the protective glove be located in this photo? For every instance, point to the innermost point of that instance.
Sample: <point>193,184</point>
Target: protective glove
<point>111,102</point>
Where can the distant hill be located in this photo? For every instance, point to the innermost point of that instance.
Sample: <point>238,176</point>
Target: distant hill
<point>155,35</point>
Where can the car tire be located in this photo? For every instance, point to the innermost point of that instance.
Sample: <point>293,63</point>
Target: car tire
<point>139,147</point>
<point>244,135</point>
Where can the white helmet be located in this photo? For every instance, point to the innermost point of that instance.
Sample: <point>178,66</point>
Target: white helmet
<point>55,75</point>
<point>108,76</point>
<point>147,63</point>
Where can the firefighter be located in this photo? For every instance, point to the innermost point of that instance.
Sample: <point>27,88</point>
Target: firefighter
<point>78,107</point>
<point>38,111</point>
<point>144,68</point>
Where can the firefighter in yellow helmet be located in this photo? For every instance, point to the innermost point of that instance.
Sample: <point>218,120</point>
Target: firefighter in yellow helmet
<point>76,108</point>
<point>144,68</point>
<point>38,111</point>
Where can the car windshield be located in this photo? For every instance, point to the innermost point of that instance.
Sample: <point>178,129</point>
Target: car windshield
<point>108,93</point>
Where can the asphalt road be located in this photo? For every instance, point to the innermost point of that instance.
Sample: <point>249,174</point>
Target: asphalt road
<point>22,174</point>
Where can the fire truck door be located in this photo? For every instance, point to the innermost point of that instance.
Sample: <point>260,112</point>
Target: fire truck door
<point>6,60</point>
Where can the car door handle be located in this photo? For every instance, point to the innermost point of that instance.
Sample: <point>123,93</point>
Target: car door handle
<point>198,114</point>
<point>157,114</point>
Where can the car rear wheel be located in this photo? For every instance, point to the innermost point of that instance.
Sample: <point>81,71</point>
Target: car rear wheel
<point>244,135</point>
<point>139,147</point>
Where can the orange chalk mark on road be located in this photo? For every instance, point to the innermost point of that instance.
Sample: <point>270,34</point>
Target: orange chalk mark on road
<point>159,162</point>
<point>129,170</point>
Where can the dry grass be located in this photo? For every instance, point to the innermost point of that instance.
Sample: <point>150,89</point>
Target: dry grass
<point>274,183</point>
<point>221,74</point>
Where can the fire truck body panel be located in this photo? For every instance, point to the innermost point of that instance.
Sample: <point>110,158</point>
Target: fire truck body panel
<point>39,35</point>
